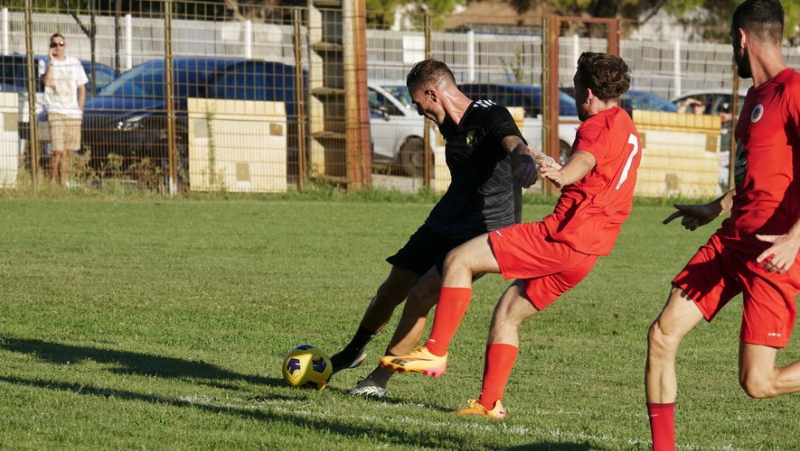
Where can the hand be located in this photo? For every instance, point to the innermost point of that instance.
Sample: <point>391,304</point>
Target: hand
<point>694,216</point>
<point>554,174</point>
<point>526,174</point>
<point>780,256</point>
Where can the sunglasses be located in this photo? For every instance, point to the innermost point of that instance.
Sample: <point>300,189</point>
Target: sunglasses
<point>57,44</point>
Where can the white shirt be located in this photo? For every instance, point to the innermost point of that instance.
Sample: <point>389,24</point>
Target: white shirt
<point>65,77</point>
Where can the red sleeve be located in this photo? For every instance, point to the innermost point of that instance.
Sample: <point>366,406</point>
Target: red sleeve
<point>591,137</point>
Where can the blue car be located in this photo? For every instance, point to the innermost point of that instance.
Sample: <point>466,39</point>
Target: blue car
<point>518,95</point>
<point>14,78</point>
<point>129,117</point>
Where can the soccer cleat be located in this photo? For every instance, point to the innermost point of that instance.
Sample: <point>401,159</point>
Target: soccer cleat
<point>368,388</point>
<point>340,362</point>
<point>420,360</point>
<point>476,408</point>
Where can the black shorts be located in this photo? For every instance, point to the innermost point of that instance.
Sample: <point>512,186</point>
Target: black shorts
<point>426,249</point>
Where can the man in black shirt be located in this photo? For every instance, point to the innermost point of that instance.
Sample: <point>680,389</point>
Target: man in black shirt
<point>484,195</point>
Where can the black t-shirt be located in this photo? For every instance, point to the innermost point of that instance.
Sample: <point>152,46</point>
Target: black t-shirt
<point>482,195</point>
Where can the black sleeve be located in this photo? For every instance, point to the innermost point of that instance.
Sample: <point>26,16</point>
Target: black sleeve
<point>501,124</point>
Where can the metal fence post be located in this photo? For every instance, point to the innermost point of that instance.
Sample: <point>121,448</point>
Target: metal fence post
<point>34,143</point>
<point>173,180</point>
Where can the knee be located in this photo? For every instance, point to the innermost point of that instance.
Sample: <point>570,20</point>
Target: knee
<point>757,387</point>
<point>659,342</point>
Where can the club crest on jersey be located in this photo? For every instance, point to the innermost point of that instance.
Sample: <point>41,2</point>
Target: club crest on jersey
<point>470,137</point>
<point>757,114</point>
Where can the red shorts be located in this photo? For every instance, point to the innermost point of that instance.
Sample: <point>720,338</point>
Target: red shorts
<point>548,267</point>
<point>716,274</point>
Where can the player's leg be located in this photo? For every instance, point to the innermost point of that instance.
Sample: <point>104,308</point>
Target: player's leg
<point>760,378</point>
<point>677,319</point>
<point>407,334</point>
<point>471,258</point>
<point>502,349</point>
<point>390,294</point>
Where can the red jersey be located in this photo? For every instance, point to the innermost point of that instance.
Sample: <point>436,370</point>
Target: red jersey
<point>590,212</point>
<point>767,199</point>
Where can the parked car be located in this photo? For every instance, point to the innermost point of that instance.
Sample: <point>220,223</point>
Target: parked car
<point>14,78</point>
<point>395,127</point>
<point>129,117</point>
<point>530,99</point>
<point>713,99</point>
<point>638,100</point>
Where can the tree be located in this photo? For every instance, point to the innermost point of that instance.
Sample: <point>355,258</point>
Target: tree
<point>709,17</point>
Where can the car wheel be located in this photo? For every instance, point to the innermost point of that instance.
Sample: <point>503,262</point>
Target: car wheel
<point>412,157</point>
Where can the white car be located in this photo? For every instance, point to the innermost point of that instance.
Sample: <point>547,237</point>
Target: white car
<point>396,128</point>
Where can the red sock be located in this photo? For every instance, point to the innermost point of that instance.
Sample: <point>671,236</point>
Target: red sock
<point>662,426</point>
<point>453,303</point>
<point>500,360</point>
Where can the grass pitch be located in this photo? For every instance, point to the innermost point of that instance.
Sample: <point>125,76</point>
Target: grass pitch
<point>161,325</point>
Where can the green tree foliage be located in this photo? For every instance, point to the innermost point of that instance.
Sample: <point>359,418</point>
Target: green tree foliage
<point>710,17</point>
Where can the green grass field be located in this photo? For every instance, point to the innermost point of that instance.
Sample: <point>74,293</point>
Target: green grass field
<point>160,324</point>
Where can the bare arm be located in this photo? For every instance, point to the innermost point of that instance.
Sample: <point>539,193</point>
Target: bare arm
<point>82,96</point>
<point>576,169</point>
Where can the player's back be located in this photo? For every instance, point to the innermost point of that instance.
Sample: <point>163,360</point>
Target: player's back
<point>589,214</point>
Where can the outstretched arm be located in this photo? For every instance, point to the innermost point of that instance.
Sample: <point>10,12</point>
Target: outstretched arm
<point>695,216</point>
<point>526,174</point>
<point>579,164</point>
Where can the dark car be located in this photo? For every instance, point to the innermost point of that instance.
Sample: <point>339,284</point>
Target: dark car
<point>129,117</point>
<point>638,100</point>
<point>518,95</point>
<point>14,78</point>
<point>530,99</point>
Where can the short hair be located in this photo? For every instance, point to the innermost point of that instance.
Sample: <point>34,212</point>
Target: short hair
<point>429,71</point>
<point>762,18</point>
<point>606,75</point>
<point>58,35</point>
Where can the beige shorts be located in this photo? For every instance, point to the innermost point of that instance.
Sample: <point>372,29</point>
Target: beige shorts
<point>65,132</point>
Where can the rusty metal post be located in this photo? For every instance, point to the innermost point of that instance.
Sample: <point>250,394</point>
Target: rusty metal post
<point>170,95</point>
<point>359,149</point>
<point>300,99</point>
<point>427,150</point>
<point>550,141</point>
<point>32,135</point>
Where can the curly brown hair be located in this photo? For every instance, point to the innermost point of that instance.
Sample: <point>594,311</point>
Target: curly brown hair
<point>606,75</point>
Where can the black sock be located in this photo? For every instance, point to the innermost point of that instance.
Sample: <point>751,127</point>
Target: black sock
<point>360,340</point>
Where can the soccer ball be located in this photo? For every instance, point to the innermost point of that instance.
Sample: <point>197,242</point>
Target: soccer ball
<point>307,366</point>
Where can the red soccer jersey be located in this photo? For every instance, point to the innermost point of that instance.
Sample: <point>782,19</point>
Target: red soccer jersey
<point>590,212</point>
<point>767,197</point>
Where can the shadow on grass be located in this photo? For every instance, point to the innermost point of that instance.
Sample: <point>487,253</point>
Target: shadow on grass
<point>386,431</point>
<point>135,363</point>
<point>543,446</point>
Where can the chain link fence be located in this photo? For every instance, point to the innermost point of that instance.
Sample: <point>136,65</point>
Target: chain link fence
<point>235,116</point>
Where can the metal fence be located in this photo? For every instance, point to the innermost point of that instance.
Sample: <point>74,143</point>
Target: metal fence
<point>235,119</point>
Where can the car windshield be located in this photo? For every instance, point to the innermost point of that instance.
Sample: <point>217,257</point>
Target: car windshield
<point>147,80</point>
<point>400,92</point>
<point>648,101</point>
<point>141,81</point>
